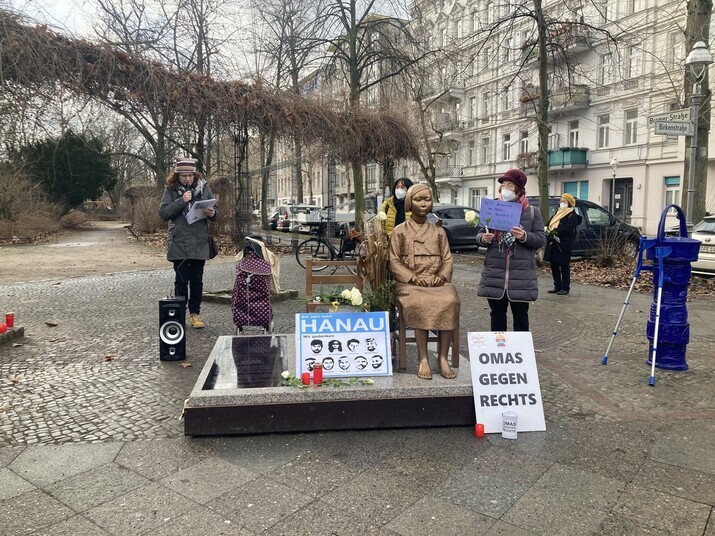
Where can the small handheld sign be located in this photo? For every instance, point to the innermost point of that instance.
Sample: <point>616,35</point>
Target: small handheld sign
<point>505,379</point>
<point>499,215</point>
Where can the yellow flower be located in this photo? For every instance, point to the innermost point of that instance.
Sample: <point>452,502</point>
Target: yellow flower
<point>334,306</point>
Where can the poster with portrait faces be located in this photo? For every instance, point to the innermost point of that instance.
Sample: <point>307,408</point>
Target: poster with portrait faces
<point>346,344</point>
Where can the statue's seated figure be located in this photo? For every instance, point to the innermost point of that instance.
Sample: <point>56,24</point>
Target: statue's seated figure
<point>421,265</point>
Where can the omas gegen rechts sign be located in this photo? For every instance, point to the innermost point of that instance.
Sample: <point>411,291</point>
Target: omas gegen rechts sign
<point>346,344</point>
<point>505,378</point>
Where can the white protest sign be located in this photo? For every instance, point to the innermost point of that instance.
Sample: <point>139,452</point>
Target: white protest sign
<point>499,215</point>
<point>504,378</point>
<point>346,344</point>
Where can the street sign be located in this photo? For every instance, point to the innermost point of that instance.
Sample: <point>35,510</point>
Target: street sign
<point>675,115</point>
<point>674,128</point>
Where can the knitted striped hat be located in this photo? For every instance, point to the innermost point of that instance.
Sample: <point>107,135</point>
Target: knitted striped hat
<point>185,165</point>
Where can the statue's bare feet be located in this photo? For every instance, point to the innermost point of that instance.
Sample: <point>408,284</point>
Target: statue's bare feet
<point>444,369</point>
<point>424,371</point>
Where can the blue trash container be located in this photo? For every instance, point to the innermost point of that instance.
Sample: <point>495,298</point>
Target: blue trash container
<point>673,327</point>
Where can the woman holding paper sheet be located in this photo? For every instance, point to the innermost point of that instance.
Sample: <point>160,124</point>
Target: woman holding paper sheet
<point>509,275</point>
<point>188,243</point>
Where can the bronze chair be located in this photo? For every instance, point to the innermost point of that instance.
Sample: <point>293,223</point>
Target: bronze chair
<point>403,339</point>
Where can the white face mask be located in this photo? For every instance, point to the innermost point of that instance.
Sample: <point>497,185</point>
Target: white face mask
<point>507,195</point>
<point>400,193</point>
<point>564,205</point>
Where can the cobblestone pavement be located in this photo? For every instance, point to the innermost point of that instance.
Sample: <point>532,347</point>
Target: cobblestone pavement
<point>68,391</point>
<point>618,457</point>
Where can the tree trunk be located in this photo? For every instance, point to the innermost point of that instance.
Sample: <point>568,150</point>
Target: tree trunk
<point>697,29</point>
<point>542,120</point>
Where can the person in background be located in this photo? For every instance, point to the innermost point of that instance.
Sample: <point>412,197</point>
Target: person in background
<point>188,245</point>
<point>394,206</point>
<point>509,275</point>
<point>561,231</point>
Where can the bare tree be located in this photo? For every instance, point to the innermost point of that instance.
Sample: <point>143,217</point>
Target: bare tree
<point>369,49</point>
<point>286,39</point>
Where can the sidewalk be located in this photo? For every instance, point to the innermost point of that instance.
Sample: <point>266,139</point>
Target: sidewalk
<point>91,441</point>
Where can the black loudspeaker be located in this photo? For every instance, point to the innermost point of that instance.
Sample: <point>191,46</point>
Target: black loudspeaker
<point>172,329</point>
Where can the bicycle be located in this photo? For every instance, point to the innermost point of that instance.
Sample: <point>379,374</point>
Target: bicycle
<point>321,247</point>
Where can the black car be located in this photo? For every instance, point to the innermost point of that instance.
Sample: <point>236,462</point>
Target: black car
<point>598,228</point>
<point>454,224</point>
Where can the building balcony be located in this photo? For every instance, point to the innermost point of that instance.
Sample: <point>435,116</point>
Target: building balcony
<point>568,157</point>
<point>526,160</point>
<point>447,124</point>
<point>449,176</point>
<point>570,98</point>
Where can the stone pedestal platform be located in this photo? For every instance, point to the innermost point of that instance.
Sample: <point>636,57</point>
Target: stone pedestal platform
<point>239,391</point>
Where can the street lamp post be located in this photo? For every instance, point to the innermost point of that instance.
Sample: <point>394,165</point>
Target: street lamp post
<point>614,167</point>
<point>698,60</point>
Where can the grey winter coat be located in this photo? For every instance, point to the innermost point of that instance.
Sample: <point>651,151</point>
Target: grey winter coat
<point>186,241</point>
<point>515,274</point>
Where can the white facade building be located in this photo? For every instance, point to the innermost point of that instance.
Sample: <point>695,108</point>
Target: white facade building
<point>601,94</point>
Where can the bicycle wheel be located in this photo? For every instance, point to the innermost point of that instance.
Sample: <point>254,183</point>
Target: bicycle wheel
<point>351,255</point>
<point>316,249</point>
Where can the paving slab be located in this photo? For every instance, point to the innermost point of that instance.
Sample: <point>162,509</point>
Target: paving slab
<point>103,436</point>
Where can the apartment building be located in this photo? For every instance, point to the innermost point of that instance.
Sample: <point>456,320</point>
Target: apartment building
<point>601,92</point>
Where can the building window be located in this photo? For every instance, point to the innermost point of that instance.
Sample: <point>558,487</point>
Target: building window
<point>524,142</point>
<point>475,21</point>
<point>677,49</point>
<point>604,69</point>
<point>443,36</point>
<point>506,147</point>
<point>578,189</point>
<point>505,100</point>
<point>485,150</point>
<point>459,29</point>
<point>604,130</point>
<point>553,142</point>
<point>606,11</point>
<point>629,7</point>
<point>672,190</point>
<point>573,134</point>
<point>371,182</point>
<point>633,62</point>
<point>470,154</point>
<point>475,197</point>
<point>631,127</point>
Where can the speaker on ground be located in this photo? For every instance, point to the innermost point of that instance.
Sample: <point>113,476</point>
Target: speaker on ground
<point>172,329</point>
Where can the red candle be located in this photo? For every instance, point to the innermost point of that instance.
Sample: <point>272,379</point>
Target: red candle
<point>10,320</point>
<point>317,374</point>
<point>479,430</point>
<point>3,327</point>
<point>305,378</point>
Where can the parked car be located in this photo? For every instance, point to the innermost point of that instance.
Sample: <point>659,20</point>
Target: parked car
<point>273,220</point>
<point>598,226</point>
<point>287,215</point>
<point>459,234</point>
<point>705,232</point>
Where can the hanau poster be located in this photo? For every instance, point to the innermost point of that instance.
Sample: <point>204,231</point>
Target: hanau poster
<point>346,344</point>
<point>499,215</point>
<point>505,378</point>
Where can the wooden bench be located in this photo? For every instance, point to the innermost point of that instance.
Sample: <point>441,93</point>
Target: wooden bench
<point>314,280</point>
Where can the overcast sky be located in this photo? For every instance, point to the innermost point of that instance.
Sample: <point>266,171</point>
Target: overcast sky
<point>73,15</point>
